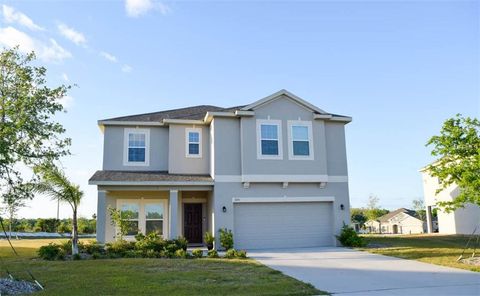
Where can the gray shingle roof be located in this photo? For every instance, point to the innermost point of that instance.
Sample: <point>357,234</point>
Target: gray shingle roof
<point>194,113</point>
<point>146,176</point>
<point>390,215</point>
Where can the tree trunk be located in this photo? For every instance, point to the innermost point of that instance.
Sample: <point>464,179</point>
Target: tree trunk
<point>74,233</point>
<point>10,228</point>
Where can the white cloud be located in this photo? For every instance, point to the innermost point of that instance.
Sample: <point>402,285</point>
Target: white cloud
<point>72,35</point>
<point>67,101</point>
<point>50,51</point>
<point>136,8</point>
<point>12,16</point>
<point>65,77</point>
<point>108,56</point>
<point>126,69</point>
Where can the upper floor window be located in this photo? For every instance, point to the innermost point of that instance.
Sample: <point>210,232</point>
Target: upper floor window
<point>193,142</point>
<point>269,139</point>
<point>300,140</point>
<point>136,147</point>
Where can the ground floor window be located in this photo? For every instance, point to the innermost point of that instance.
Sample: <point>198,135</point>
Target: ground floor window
<point>143,215</point>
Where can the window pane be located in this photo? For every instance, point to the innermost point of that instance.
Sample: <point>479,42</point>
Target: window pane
<point>129,210</point>
<point>193,149</point>
<point>193,137</point>
<point>136,154</point>
<point>301,148</point>
<point>136,140</point>
<point>154,226</point>
<point>269,147</point>
<point>154,211</point>
<point>269,131</point>
<point>300,133</point>
<point>132,227</point>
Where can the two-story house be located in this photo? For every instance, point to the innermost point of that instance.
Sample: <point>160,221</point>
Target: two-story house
<point>274,172</point>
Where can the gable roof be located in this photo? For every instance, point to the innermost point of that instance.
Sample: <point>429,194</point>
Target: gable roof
<point>200,114</point>
<point>284,92</point>
<point>392,214</point>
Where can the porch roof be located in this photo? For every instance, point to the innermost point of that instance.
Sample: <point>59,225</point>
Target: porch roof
<point>147,178</point>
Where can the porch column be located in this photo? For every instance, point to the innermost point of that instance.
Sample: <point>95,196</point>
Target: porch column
<point>173,214</point>
<point>101,215</point>
<point>429,219</point>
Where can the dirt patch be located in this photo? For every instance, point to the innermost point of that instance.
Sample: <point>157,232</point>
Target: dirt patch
<point>475,261</point>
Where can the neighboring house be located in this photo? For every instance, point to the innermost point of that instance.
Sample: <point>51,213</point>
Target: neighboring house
<point>461,221</point>
<point>401,221</point>
<point>274,172</point>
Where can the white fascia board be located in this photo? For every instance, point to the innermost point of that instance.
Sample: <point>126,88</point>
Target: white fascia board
<point>228,178</point>
<point>151,183</point>
<point>341,119</point>
<point>129,123</point>
<point>322,116</point>
<point>209,115</point>
<point>244,113</point>
<point>284,178</point>
<point>283,199</point>
<point>183,121</point>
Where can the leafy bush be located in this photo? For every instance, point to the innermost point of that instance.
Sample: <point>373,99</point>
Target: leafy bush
<point>93,247</point>
<point>197,253</point>
<point>96,255</point>
<point>67,246</point>
<point>51,252</point>
<point>212,254</point>
<point>181,243</point>
<point>226,238</point>
<point>150,242</point>
<point>119,247</point>
<point>180,253</point>
<point>132,254</point>
<point>230,254</point>
<point>76,257</point>
<point>151,254</point>
<point>349,237</point>
<point>241,254</point>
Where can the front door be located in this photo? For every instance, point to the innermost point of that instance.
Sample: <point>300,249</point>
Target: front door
<point>192,222</point>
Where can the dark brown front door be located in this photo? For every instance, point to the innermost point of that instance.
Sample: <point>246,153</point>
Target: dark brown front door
<point>192,222</point>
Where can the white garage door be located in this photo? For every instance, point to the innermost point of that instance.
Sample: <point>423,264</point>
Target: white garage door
<point>283,225</point>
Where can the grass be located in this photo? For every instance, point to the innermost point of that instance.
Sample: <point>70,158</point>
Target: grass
<point>148,276</point>
<point>431,248</point>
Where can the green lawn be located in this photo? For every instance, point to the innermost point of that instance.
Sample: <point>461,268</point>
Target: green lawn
<point>149,276</point>
<point>432,248</point>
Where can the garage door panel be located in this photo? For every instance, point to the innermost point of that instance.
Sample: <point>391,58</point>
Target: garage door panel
<point>283,225</point>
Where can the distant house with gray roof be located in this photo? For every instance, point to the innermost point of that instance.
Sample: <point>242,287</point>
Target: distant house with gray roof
<point>400,221</point>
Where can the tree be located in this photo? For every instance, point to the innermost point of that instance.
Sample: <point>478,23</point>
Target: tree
<point>55,184</point>
<point>458,151</point>
<point>14,199</point>
<point>28,135</point>
<point>358,216</point>
<point>373,211</point>
<point>419,207</point>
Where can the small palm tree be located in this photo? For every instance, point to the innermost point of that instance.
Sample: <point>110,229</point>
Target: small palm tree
<point>55,184</point>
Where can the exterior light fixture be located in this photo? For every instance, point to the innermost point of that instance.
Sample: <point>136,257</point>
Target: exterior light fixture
<point>342,207</point>
<point>224,209</point>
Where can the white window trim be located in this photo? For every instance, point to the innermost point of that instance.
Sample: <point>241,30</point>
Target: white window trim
<point>128,131</point>
<point>278,123</point>
<point>142,221</point>
<point>187,152</point>
<point>308,124</point>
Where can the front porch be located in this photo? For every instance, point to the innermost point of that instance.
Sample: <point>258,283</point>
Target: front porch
<point>171,212</point>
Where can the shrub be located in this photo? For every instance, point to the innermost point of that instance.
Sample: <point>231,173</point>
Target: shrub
<point>197,253</point>
<point>180,253</point>
<point>226,238</point>
<point>96,256</point>
<point>51,252</point>
<point>151,254</point>
<point>132,254</point>
<point>149,242</point>
<point>212,254</point>
<point>241,254</point>
<point>349,238</point>
<point>230,254</point>
<point>181,243</point>
<point>119,247</point>
<point>93,247</point>
<point>76,257</point>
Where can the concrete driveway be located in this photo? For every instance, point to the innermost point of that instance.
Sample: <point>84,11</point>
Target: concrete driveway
<point>343,271</point>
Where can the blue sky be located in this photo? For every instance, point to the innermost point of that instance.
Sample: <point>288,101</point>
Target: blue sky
<point>398,68</point>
